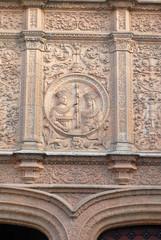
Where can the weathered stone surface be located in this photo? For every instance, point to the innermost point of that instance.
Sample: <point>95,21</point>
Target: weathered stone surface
<point>80,131</point>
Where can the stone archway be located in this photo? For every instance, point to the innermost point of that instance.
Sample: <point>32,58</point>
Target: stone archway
<point>34,209</point>
<point>19,232</point>
<point>119,208</point>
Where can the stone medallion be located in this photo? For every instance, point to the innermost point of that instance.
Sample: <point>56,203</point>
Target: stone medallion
<point>76,105</point>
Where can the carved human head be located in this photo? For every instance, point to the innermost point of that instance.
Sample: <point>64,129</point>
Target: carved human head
<point>90,99</point>
<point>62,96</point>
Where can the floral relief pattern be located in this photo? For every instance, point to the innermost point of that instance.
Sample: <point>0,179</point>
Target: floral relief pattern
<point>10,63</point>
<point>147,97</point>
<point>11,20</point>
<point>83,21</point>
<point>146,22</point>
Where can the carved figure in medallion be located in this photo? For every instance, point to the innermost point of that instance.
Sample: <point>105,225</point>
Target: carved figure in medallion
<point>76,107</point>
<point>91,115</point>
<point>61,115</point>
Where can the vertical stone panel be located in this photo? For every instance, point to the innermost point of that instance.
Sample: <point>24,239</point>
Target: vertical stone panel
<point>32,81</point>
<point>10,87</point>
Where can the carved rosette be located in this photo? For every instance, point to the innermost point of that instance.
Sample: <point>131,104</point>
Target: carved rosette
<point>76,112</point>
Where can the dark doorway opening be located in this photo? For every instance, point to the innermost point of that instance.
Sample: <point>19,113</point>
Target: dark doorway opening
<point>132,233</point>
<point>14,232</point>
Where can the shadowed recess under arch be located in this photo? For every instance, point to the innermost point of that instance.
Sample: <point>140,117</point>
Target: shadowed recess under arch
<point>9,231</point>
<point>145,232</point>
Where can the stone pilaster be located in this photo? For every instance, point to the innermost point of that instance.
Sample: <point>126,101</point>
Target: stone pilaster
<point>32,82</point>
<point>121,20</point>
<point>121,51</point>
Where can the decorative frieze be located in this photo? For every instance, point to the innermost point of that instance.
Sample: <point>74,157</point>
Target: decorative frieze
<point>77,21</point>
<point>146,22</point>
<point>11,20</point>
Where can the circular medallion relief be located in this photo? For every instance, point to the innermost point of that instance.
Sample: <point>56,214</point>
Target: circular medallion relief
<point>76,105</point>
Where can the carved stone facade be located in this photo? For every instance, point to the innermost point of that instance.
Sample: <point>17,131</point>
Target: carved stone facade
<point>80,115</point>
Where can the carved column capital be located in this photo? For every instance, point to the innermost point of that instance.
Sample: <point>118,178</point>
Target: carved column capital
<point>33,43</point>
<point>123,44</point>
<point>122,167</point>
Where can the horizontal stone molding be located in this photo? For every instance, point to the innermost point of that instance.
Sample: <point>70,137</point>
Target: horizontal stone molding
<point>77,4</point>
<point>79,158</point>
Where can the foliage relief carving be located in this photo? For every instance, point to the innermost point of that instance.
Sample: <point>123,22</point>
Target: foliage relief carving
<point>11,20</point>
<point>147,97</point>
<point>76,105</point>
<point>146,22</point>
<point>83,21</point>
<point>10,64</point>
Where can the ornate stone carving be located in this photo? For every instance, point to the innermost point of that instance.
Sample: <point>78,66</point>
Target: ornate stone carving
<point>76,107</point>
<point>122,96</point>
<point>122,44</point>
<point>10,65</point>
<point>33,18</point>
<point>62,59</point>
<point>11,20</point>
<point>32,43</point>
<point>29,171</point>
<point>147,97</point>
<point>122,20</point>
<point>122,167</point>
<point>82,174</point>
<point>83,21</point>
<point>32,98</point>
<point>29,166</point>
<point>148,22</point>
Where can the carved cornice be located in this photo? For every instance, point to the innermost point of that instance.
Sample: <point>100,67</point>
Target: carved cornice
<point>86,5</point>
<point>150,37</point>
<point>35,3</point>
<point>72,36</point>
<point>80,159</point>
